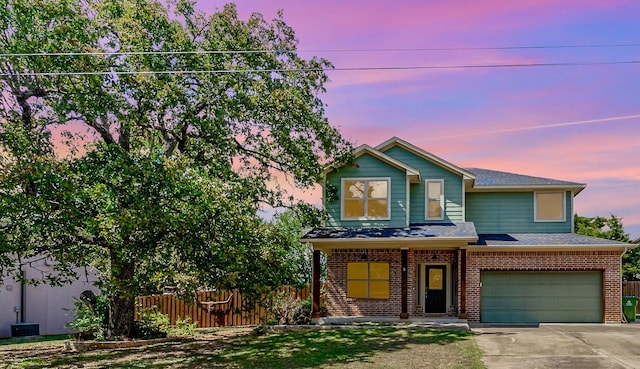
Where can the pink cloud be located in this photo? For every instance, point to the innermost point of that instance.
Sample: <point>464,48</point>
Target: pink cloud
<point>340,23</point>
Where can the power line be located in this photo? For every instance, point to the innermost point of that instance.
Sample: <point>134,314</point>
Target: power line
<point>289,51</point>
<point>288,70</point>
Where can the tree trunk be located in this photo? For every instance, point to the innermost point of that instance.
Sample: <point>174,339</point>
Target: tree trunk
<point>122,302</point>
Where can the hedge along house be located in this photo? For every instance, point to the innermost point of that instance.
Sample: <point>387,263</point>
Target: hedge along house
<point>410,234</point>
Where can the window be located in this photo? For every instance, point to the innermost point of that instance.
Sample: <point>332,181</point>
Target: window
<point>434,199</point>
<point>368,280</point>
<point>365,198</point>
<point>549,206</point>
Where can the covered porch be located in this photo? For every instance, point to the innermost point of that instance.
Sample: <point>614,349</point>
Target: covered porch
<point>417,271</point>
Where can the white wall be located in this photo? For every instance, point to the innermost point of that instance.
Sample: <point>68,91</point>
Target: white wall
<point>43,304</point>
<point>9,297</point>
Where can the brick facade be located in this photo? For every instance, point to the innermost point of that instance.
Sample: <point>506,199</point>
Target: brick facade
<point>436,257</point>
<point>606,261</point>
<point>338,304</point>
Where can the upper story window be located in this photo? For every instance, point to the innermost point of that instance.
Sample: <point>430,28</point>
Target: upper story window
<point>549,206</point>
<point>434,199</point>
<point>365,198</point>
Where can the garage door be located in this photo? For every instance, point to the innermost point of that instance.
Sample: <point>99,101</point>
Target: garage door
<point>541,297</point>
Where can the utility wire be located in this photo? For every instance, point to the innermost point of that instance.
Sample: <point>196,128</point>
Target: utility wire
<point>287,70</point>
<point>289,51</point>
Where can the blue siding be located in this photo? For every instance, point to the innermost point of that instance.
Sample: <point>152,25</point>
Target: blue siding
<point>370,167</point>
<point>453,194</point>
<point>511,212</point>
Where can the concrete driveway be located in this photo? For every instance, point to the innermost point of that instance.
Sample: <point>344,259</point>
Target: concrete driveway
<point>561,346</point>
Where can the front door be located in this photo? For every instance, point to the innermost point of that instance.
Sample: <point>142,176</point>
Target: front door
<point>436,289</point>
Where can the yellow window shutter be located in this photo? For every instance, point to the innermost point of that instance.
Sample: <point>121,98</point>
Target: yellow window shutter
<point>379,271</point>
<point>379,289</point>
<point>357,289</point>
<point>357,271</point>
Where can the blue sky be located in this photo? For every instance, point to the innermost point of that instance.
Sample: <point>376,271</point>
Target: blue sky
<point>578,122</point>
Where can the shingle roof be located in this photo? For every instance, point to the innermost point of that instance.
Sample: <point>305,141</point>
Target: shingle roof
<point>488,178</point>
<point>431,230</point>
<point>543,239</point>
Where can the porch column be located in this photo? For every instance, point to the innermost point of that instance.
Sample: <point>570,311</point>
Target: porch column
<point>403,286</point>
<point>315,285</point>
<point>462,272</point>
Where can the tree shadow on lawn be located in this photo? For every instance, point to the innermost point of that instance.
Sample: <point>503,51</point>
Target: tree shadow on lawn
<point>321,348</point>
<point>310,349</point>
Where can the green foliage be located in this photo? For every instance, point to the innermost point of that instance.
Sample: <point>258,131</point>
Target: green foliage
<point>87,323</point>
<point>157,178</point>
<point>183,327</point>
<point>151,324</point>
<point>295,258</point>
<point>331,193</point>
<point>611,228</point>
<point>631,265</point>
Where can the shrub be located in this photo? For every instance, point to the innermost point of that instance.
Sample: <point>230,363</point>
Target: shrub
<point>183,327</point>
<point>289,310</point>
<point>87,323</point>
<point>152,324</point>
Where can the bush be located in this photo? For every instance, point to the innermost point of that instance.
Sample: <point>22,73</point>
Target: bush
<point>183,327</point>
<point>87,323</point>
<point>304,314</point>
<point>152,324</point>
<point>289,310</point>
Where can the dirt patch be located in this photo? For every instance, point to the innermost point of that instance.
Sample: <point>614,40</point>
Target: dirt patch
<point>81,346</point>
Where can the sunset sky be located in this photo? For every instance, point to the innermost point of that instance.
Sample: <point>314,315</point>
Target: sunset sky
<point>577,122</point>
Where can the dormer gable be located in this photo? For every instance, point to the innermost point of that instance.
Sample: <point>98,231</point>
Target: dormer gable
<point>412,173</point>
<point>398,142</point>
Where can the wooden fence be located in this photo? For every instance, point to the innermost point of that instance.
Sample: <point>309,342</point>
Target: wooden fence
<point>225,308</point>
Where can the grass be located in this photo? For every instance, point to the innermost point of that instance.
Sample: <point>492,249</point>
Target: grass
<point>33,339</point>
<point>239,348</point>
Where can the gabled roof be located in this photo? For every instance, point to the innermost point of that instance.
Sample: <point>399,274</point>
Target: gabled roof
<point>411,172</point>
<point>494,179</point>
<point>476,179</point>
<point>395,141</point>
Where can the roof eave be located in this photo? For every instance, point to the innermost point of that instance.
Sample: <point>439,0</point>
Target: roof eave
<point>568,247</point>
<point>389,239</point>
<point>576,189</point>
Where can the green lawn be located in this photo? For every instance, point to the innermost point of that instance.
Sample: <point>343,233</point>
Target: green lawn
<point>223,348</point>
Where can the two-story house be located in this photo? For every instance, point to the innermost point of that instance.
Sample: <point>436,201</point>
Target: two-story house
<point>410,234</point>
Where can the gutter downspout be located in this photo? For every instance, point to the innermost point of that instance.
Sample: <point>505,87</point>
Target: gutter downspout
<point>624,317</point>
<point>22,294</point>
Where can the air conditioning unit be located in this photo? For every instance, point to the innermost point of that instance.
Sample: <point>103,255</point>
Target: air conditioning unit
<point>25,329</point>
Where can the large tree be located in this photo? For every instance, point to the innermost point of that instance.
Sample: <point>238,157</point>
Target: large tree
<point>142,139</point>
<point>611,228</point>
